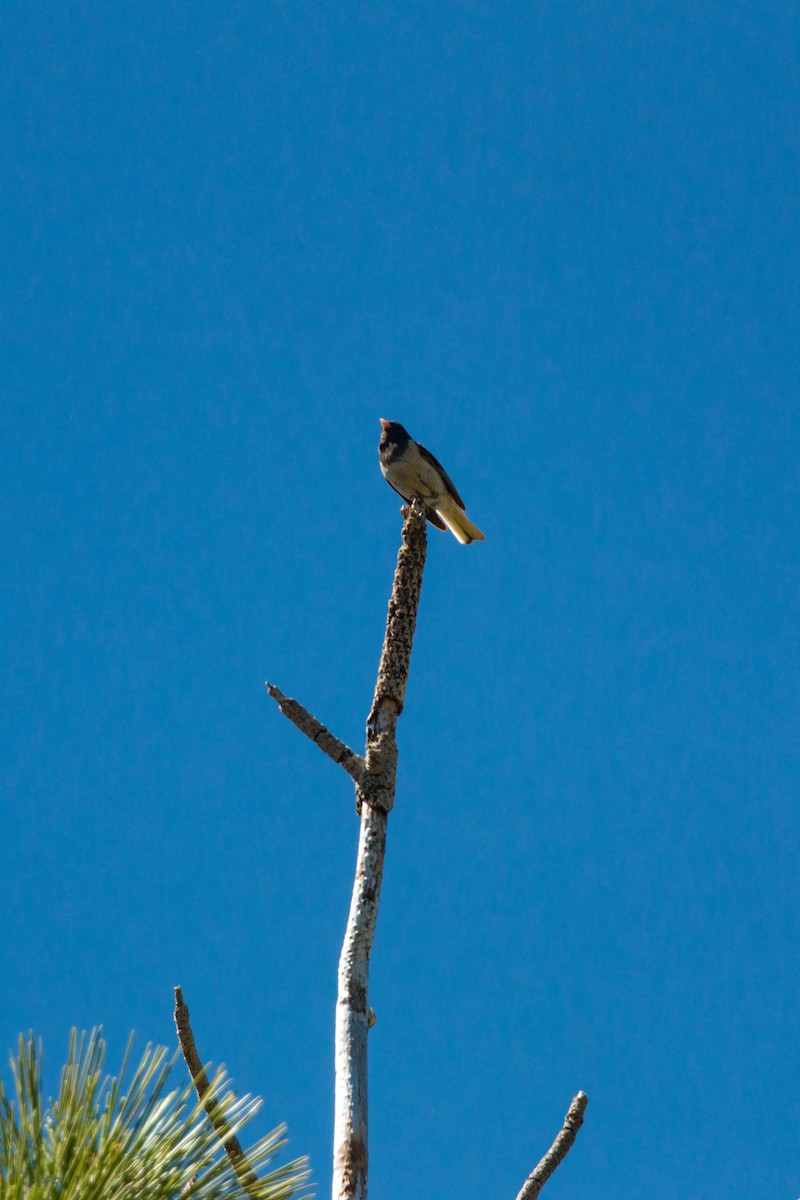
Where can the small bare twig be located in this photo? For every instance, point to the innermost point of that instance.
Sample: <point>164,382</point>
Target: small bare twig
<point>558,1151</point>
<point>329,744</point>
<point>233,1147</point>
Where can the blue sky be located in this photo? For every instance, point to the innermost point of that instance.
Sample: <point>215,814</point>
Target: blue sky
<point>560,243</point>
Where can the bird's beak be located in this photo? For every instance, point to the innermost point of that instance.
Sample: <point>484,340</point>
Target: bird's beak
<point>384,424</point>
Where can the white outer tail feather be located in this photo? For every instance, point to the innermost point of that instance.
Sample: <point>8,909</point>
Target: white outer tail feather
<point>459,524</point>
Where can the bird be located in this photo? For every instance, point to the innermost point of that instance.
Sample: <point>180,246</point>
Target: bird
<point>415,474</point>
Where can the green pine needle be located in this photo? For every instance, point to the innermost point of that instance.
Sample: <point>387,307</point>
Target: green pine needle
<point>104,1139</point>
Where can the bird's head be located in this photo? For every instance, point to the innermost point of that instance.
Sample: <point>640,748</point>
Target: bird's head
<point>393,433</point>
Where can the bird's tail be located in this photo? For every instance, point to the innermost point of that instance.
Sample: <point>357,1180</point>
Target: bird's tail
<point>459,524</point>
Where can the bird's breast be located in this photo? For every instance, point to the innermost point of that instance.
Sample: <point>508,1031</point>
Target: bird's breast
<point>412,476</point>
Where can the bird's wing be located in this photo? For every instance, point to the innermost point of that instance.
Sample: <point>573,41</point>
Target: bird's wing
<point>451,487</point>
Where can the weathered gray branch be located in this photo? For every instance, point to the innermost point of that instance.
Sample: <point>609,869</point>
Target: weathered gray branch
<point>559,1149</point>
<point>375,778</point>
<point>233,1147</point>
<point>309,725</point>
<point>375,797</point>
<point>390,687</point>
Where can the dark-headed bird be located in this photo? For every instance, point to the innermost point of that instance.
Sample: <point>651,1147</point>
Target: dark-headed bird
<point>415,474</point>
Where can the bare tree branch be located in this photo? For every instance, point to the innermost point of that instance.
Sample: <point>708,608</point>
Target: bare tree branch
<point>329,744</point>
<point>375,779</point>
<point>390,687</point>
<point>375,798</point>
<point>558,1151</point>
<point>233,1147</point>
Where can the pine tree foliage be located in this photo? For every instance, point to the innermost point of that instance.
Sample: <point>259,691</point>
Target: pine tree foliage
<point>103,1138</point>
